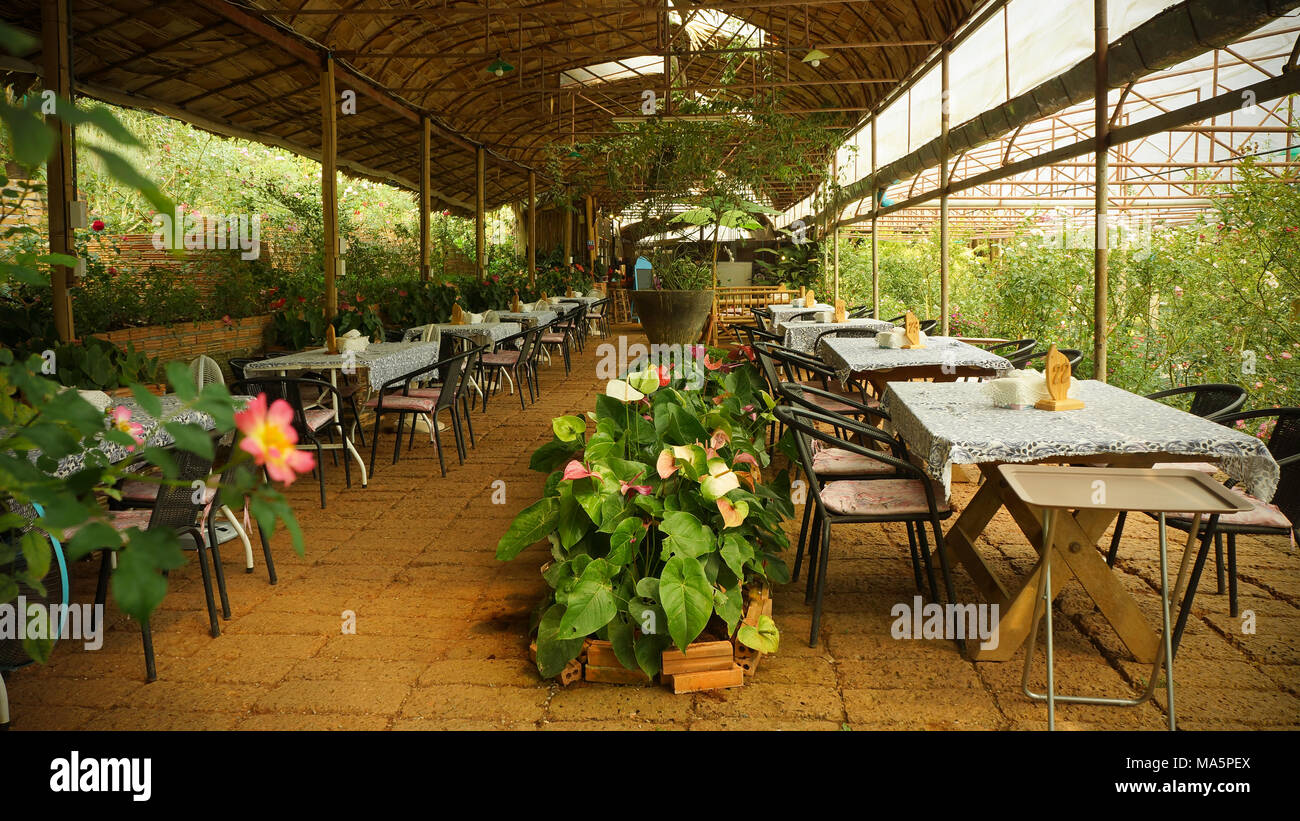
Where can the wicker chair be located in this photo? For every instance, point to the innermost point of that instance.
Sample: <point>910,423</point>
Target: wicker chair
<point>1278,518</point>
<point>898,492</point>
<point>1011,350</point>
<point>391,400</point>
<point>175,509</point>
<point>1074,357</point>
<point>309,417</point>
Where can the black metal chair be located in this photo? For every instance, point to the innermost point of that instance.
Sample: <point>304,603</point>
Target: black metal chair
<point>1011,350</point>
<point>174,508</point>
<point>1074,357</point>
<point>763,317</point>
<point>807,370</point>
<point>515,357</point>
<point>560,335</point>
<point>596,314</point>
<point>861,312</point>
<point>309,419</point>
<point>927,326</point>
<point>900,494</point>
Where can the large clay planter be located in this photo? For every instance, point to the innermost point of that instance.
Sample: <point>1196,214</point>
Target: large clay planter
<point>673,317</point>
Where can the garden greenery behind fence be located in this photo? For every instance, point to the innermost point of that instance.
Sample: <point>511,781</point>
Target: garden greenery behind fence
<point>1216,301</point>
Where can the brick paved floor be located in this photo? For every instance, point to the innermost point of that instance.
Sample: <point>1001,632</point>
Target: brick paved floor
<point>440,628</point>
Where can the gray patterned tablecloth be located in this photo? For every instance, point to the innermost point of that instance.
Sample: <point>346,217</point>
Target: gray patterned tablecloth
<point>384,360</point>
<point>529,319</point>
<point>848,355</point>
<point>153,432</point>
<point>782,311</point>
<point>483,333</point>
<point>948,423</point>
<point>802,335</point>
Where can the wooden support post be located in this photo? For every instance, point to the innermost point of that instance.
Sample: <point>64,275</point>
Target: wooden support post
<point>426,140</point>
<point>835,222</point>
<point>875,238</point>
<point>592,241</point>
<point>568,227</point>
<point>61,169</point>
<point>329,184</point>
<point>532,229</point>
<point>480,215</point>
<point>1101,262</point>
<point>944,239</point>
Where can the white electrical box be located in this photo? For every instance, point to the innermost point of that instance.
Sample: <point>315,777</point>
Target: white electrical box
<point>77,214</point>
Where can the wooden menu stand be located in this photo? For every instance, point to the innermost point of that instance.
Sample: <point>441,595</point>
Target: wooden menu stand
<point>1058,384</point>
<point>912,332</point>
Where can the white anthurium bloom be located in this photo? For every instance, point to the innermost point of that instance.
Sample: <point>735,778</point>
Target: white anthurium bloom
<point>622,391</point>
<point>720,481</point>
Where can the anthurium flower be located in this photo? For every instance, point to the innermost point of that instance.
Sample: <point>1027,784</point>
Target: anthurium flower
<point>575,470</point>
<point>646,381</point>
<point>625,487</point>
<point>720,481</point>
<point>733,514</point>
<point>120,418</point>
<point>667,464</point>
<point>664,379</point>
<point>270,438</point>
<point>710,364</point>
<point>743,458</point>
<point>720,438</point>
<point>622,391</point>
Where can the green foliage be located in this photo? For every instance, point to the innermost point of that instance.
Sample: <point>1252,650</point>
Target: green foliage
<point>657,514</point>
<point>680,273</point>
<point>42,423</point>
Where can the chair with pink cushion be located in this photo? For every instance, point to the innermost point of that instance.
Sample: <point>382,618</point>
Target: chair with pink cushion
<point>902,494</point>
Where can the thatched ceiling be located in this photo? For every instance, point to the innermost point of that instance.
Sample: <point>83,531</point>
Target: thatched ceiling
<point>252,69</point>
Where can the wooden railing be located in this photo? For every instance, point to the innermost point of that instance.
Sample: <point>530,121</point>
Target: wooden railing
<point>731,305</point>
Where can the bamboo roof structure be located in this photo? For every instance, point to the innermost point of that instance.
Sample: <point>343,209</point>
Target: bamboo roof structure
<point>252,69</point>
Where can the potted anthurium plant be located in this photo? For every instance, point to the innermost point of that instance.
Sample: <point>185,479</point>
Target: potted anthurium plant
<point>657,514</point>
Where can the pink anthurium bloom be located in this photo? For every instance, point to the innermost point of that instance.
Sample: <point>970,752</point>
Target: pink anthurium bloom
<point>120,419</point>
<point>733,514</point>
<point>710,364</point>
<point>720,438</point>
<point>667,464</point>
<point>743,458</point>
<point>270,438</point>
<point>575,470</point>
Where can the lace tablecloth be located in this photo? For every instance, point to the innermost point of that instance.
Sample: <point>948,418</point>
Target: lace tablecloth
<point>154,434</point>
<point>849,355</point>
<point>385,361</point>
<point>782,311</point>
<point>483,333</point>
<point>802,335</point>
<point>948,423</point>
<point>529,319</point>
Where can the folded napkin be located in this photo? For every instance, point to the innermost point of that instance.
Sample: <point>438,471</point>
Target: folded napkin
<point>1021,389</point>
<point>891,339</point>
<point>491,316</point>
<point>476,319</point>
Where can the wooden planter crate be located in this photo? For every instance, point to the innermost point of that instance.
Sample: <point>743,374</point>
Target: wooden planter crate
<point>706,665</point>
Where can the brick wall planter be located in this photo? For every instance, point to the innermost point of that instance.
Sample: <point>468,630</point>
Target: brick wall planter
<point>184,341</point>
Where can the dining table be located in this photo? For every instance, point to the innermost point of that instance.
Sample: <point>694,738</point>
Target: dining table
<point>781,311</point>
<point>382,361</point>
<point>802,334</point>
<point>948,423</point>
<point>487,334</point>
<point>529,319</point>
<point>942,359</point>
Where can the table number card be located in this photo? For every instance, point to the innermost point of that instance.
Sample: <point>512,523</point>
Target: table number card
<point>516,306</point>
<point>457,315</point>
<point>1058,375</point>
<point>841,313</point>
<point>809,298</point>
<point>331,341</point>
<point>912,332</point>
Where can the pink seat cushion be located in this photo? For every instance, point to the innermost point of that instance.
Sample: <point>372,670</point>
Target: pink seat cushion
<point>500,358</point>
<point>135,490</point>
<point>427,393</point>
<point>398,402</point>
<point>131,517</point>
<point>1261,514</point>
<point>318,418</point>
<point>835,406</point>
<point>841,462</point>
<point>552,339</point>
<point>879,497</point>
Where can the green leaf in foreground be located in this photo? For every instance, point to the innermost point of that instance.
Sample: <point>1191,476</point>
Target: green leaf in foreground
<point>687,599</point>
<point>531,525</point>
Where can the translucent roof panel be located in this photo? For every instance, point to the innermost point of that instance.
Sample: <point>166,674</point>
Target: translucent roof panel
<point>624,69</point>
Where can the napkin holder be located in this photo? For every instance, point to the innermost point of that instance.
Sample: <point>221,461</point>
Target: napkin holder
<point>1059,381</point>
